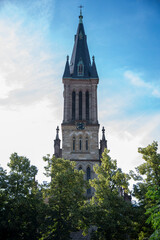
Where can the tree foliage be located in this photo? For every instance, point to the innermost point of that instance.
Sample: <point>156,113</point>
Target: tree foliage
<point>147,189</point>
<point>154,211</point>
<point>107,210</point>
<point>65,195</point>
<point>56,209</point>
<point>22,208</point>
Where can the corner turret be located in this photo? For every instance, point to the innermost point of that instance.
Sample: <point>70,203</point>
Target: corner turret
<point>67,69</point>
<point>57,149</point>
<point>103,143</point>
<point>94,73</point>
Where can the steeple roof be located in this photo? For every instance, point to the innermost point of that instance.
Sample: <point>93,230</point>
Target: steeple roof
<point>80,60</point>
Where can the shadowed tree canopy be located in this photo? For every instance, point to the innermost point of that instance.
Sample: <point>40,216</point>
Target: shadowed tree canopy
<point>107,210</point>
<point>65,194</point>
<point>146,190</point>
<point>22,207</point>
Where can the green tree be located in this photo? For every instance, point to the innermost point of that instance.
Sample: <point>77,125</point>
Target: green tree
<point>22,209</point>
<point>148,180</point>
<point>3,194</point>
<point>154,212</point>
<point>65,194</point>
<point>107,210</point>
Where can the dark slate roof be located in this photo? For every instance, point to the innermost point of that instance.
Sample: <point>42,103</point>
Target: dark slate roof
<point>67,69</point>
<point>80,53</point>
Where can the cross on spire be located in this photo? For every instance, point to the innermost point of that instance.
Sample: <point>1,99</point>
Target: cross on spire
<point>81,9</point>
<point>80,16</point>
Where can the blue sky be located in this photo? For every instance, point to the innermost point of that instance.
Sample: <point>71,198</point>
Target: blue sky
<point>35,38</point>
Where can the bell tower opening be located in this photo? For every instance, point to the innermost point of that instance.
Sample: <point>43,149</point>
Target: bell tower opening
<point>87,106</point>
<point>73,105</point>
<point>80,105</point>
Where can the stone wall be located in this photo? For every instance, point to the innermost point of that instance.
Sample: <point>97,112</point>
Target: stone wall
<point>90,132</point>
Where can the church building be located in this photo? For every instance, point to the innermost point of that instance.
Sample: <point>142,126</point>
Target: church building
<point>80,126</point>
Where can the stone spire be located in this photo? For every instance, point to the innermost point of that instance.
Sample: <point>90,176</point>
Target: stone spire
<point>57,135</point>
<point>103,134</point>
<point>67,70</point>
<point>94,73</point>
<point>103,142</point>
<point>80,60</point>
<point>57,141</point>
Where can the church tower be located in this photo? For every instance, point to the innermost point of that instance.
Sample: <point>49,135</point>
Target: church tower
<point>80,127</point>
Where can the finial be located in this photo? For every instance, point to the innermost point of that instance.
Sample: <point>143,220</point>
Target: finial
<point>57,135</point>
<point>93,58</point>
<point>67,58</point>
<point>103,133</point>
<point>80,16</point>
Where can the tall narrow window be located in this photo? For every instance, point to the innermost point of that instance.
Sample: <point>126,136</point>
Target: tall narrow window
<point>88,173</point>
<point>73,105</point>
<point>87,105</point>
<point>74,143</point>
<point>80,105</point>
<point>80,144</point>
<point>88,177</point>
<point>86,143</point>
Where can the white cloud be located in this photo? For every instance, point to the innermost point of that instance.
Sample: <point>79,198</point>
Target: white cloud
<point>156,93</point>
<point>125,136</point>
<point>139,82</point>
<point>136,80</point>
<point>126,132</point>
<point>26,60</point>
<point>29,132</point>
<point>30,83</point>
<point>5,89</point>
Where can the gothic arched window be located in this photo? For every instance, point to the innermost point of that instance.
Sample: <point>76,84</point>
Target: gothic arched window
<point>87,105</point>
<point>86,143</point>
<point>73,105</point>
<point>80,105</point>
<point>88,173</point>
<point>80,143</point>
<point>80,69</point>
<point>74,144</point>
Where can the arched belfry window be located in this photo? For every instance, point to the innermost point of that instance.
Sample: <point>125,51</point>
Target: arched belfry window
<point>87,144</point>
<point>74,144</point>
<point>80,68</point>
<point>73,105</point>
<point>80,143</point>
<point>80,105</point>
<point>87,105</point>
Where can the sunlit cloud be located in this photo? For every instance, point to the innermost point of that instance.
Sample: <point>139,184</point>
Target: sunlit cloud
<point>27,74</point>
<point>137,81</point>
<point>127,135</point>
